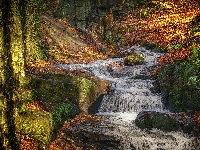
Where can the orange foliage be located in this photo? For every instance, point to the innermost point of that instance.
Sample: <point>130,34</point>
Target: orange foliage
<point>163,27</point>
<point>166,26</point>
<point>168,23</point>
<point>174,55</point>
<point>67,45</point>
<point>27,143</point>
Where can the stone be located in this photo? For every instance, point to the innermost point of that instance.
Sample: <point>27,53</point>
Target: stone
<point>134,59</point>
<point>81,90</point>
<point>37,125</point>
<point>88,11</point>
<point>149,120</point>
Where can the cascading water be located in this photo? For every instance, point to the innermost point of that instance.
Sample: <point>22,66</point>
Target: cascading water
<point>128,98</point>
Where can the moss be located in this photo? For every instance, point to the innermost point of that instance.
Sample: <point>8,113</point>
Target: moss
<point>134,59</point>
<point>32,21</point>
<point>17,49</point>
<point>35,124</point>
<point>149,120</point>
<point>79,89</point>
<point>61,113</point>
<point>179,91</point>
<point>144,121</point>
<point>55,88</point>
<point>84,85</point>
<point>164,123</point>
<point>154,47</point>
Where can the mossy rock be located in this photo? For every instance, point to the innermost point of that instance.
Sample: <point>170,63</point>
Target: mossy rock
<point>54,88</point>
<point>61,97</point>
<point>37,125</point>
<point>134,59</point>
<point>84,87</point>
<point>43,126</point>
<point>149,120</point>
<point>81,90</point>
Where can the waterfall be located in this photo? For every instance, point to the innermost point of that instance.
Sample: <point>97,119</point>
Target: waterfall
<point>129,97</point>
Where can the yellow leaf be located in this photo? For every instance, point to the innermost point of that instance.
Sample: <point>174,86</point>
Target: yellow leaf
<point>197,34</point>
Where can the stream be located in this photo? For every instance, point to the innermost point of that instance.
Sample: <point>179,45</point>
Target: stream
<point>130,96</point>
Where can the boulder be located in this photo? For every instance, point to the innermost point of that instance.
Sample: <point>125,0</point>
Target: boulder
<point>149,120</point>
<point>134,59</point>
<point>57,96</point>
<point>81,89</point>
<point>185,122</point>
<point>37,125</point>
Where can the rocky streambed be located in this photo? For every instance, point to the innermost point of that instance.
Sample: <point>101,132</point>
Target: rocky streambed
<point>131,115</point>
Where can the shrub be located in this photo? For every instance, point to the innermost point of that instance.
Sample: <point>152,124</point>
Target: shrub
<point>180,83</point>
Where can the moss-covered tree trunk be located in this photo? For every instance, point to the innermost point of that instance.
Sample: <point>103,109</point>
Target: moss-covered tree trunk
<point>9,83</point>
<point>18,41</point>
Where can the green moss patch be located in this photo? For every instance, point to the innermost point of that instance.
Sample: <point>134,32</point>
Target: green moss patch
<point>37,125</point>
<point>180,86</point>
<point>85,87</point>
<point>149,120</point>
<point>134,59</point>
<point>81,90</point>
<point>62,112</point>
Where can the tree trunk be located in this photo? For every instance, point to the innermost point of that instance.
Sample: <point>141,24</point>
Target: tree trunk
<point>18,41</point>
<point>8,81</point>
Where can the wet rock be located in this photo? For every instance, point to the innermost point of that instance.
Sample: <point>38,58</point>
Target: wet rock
<point>81,132</point>
<point>134,59</point>
<point>149,120</point>
<point>169,122</point>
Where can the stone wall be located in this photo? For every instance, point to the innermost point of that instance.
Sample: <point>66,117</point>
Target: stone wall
<point>82,13</point>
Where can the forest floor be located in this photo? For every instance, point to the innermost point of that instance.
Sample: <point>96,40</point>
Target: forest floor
<point>170,27</point>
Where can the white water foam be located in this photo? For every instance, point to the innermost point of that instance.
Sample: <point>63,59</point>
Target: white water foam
<point>128,98</point>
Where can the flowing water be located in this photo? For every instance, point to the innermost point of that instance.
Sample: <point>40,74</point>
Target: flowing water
<point>129,97</point>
